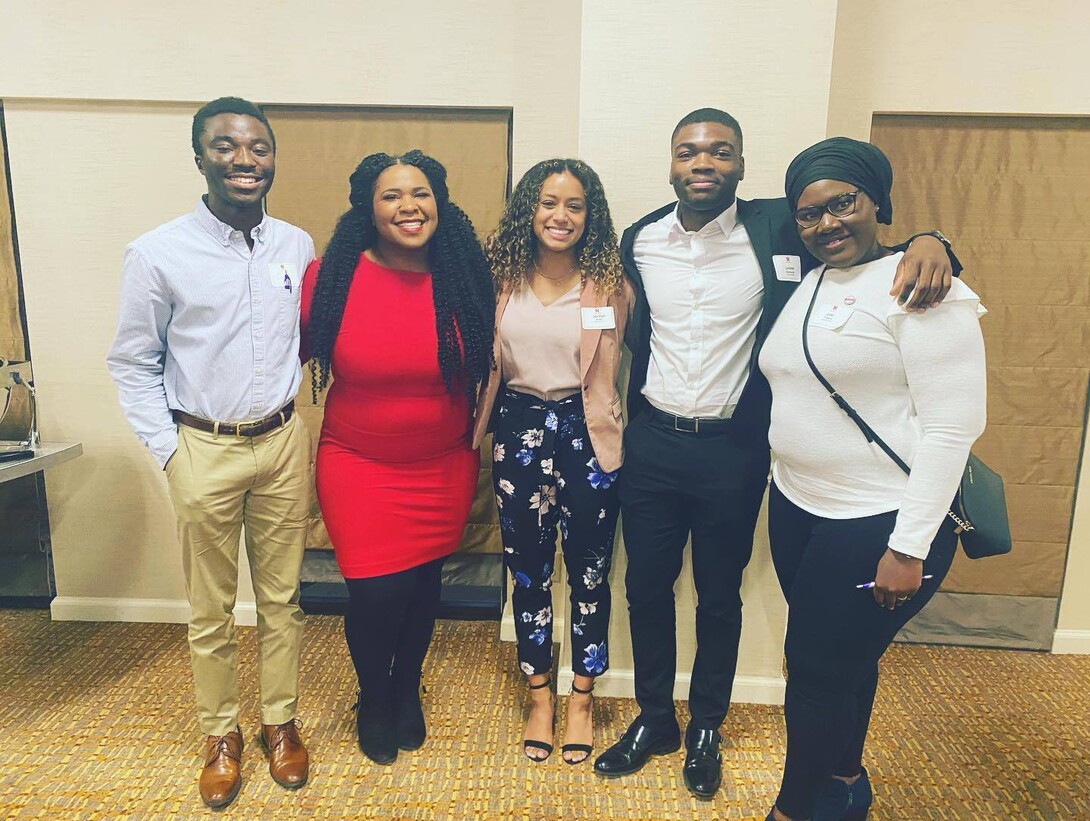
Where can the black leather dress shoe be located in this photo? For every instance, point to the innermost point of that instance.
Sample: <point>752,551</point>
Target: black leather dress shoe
<point>636,746</point>
<point>703,769</point>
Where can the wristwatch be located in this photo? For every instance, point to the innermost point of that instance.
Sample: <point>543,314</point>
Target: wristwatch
<point>936,234</point>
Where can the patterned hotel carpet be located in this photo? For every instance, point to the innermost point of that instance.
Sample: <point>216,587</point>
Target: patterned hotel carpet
<point>96,722</point>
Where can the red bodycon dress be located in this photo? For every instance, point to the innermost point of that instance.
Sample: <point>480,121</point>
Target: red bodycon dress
<point>395,471</point>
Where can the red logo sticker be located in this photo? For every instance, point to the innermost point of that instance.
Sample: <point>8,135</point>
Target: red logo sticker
<point>849,300</point>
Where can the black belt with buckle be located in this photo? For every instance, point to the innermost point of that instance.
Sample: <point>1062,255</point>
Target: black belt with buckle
<point>689,424</point>
<point>247,429</point>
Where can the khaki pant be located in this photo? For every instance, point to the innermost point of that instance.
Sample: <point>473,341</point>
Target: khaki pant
<point>218,484</point>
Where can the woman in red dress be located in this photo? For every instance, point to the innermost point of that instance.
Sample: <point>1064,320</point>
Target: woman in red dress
<point>400,312</point>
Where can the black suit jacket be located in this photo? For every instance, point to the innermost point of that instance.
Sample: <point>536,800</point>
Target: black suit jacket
<point>772,231</point>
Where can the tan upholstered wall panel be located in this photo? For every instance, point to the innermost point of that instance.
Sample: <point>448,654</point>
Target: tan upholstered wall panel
<point>1011,191</point>
<point>318,147</point>
<point>12,344</point>
<point>21,508</point>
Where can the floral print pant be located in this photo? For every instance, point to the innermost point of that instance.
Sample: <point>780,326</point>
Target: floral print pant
<point>547,476</point>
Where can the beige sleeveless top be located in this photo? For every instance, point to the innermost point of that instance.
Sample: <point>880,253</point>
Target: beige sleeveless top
<point>539,344</point>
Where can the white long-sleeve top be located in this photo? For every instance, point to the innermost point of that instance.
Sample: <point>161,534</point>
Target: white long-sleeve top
<point>917,379</point>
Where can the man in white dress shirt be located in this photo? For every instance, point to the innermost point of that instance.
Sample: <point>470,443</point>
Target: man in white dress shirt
<point>711,274</point>
<point>206,360</point>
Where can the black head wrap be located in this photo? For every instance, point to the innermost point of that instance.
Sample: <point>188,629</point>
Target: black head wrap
<point>847,160</point>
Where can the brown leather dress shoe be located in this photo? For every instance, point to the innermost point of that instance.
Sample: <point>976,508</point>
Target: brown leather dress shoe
<point>222,773</point>
<point>288,759</point>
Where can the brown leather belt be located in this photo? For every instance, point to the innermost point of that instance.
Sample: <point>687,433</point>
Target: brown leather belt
<point>247,429</point>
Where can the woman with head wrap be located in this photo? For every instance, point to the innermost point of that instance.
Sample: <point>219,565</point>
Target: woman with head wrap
<point>859,546</point>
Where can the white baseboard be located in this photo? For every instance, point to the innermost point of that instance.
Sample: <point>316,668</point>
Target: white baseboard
<point>620,684</point>
<point>507,626</point>
<point>1071,642</point>
<point>161,611</point>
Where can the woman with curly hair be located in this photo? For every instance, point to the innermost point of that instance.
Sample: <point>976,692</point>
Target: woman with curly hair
<point>399,311</point>
<point>560,316</point>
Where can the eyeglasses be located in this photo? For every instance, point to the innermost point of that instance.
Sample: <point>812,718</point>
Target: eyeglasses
<point>839,206</point>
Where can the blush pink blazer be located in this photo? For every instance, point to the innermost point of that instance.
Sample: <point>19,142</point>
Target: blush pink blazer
<point>599,364</point>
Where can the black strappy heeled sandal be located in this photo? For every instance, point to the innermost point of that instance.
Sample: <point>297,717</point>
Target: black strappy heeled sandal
<point>579,748</point>
<point>534,743</point>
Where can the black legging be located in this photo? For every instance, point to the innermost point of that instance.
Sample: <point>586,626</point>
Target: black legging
<point>835,636</point>
<point>388,627</point>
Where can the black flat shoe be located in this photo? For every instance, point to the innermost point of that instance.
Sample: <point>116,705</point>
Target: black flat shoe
<point>409,727</point>
<point>703,770</point>
<point>375,732</point>
<point>635,748</point>
<point>586,749</point>
<point>839,801</point>
<point>533,743</point>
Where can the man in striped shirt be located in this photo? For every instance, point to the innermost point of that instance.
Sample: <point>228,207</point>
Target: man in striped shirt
<point>206,360</point>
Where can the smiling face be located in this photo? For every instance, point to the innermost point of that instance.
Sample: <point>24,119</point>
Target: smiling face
<point>840,242</point>
<point>405,212</point>
<point>238,162</point>
<point>561,214</point>
<point>706,166</point>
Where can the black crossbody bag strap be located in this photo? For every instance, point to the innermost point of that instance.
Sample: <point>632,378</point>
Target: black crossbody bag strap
<point>867,430</point>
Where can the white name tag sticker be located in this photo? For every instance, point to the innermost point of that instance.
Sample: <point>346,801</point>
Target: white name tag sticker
<point>788,267</point>
<point>598,319</point>
<point>831,316</point>
<point>284,276</point>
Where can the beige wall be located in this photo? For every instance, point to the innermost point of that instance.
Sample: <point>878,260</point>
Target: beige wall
<point>88,176</point>
<point>477,52</point>
<point>1073,627</point>
<point>640,74</point>
<point>605,80</point>
<point>594,79</point>
<point>965,56</point>
<point>972,56</point>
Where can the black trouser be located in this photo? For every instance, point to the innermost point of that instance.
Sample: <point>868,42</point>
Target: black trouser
<point>709,486</point>
<point>835,636</point>
<point>388,627</point>
<point>546,476</point>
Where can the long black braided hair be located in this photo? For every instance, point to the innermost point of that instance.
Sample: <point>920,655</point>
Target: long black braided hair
<point>461,282</point>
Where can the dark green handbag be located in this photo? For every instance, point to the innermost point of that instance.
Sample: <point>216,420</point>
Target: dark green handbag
<point>980,510</point>
<point>980,507</point>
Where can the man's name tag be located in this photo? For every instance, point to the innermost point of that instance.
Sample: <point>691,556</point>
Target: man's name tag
<point>284,276</point>
<point>830,316</point>
<point>788,267</point>
<point>598,319</point>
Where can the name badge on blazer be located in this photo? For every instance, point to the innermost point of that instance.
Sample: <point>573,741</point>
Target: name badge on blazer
<point>598,319</point>
<point>788,267</point>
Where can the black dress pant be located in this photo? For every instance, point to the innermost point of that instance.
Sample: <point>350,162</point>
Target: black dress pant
<point>676,485</point>
<point>836,634</point>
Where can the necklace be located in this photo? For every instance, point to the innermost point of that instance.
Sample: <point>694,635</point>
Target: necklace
<point>560,278</point>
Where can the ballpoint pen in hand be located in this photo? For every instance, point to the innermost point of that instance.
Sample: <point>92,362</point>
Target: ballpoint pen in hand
<point>870,585</point>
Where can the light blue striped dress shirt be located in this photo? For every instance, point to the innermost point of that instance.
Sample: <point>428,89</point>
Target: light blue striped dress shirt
<point>207,326</point>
